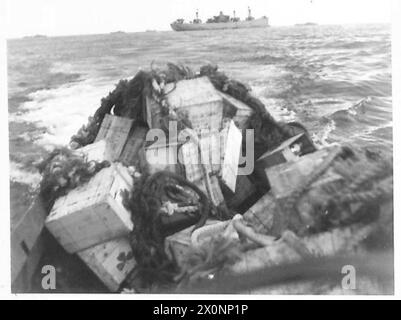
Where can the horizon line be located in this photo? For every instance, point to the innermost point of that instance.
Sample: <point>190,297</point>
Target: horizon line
<point>39,35</point>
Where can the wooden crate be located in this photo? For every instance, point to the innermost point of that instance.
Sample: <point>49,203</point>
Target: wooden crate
<point>283,153</point>
<point>153,113</point>
<point>231,142</point>
<point>179,244</point>
<point>285,178</point>
<point>133,151</point>
<point>218,154</point>
<point>191,155</point>
<point>114,130</point>
<point>216,195</point>
<point>97,151</point>
<point>111,261</point>
<point>260,216</point>
<point>201,155</point>
<point>92,213</point>
<point>286,250</point>
<point>163,156</point>
<point>198,101</point>
<point>236,110</point>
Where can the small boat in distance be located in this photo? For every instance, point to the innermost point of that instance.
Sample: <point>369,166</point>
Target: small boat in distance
<point>220,22</point>
<point>306,24</point>
<point>36,36</point>
<point>118,32</point>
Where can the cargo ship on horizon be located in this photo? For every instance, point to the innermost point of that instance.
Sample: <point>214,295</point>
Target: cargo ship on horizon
<point>221,22</point>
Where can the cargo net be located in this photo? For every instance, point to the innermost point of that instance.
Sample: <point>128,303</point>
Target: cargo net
<point>128,99</point>
<point>63,170</point>
<point>283,227</point>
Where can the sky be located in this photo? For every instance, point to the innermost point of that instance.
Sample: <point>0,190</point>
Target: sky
<point>70,17</point>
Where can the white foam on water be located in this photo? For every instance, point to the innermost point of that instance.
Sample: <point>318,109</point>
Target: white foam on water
<point>321,138</point>
<point>62,111</point>
<point>273,106</point>
<point>18,174</point>
<point>279,112</point>
<point>63,67</point>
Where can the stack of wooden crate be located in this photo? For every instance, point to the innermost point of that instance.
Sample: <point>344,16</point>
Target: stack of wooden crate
<point>285,170</point>
<point>212,153</point>
<point>91,219</point>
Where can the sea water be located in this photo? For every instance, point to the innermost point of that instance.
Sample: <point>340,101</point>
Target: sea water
<point>335,80</point>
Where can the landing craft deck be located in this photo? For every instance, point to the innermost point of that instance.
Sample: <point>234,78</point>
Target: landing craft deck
<point>277,225</point>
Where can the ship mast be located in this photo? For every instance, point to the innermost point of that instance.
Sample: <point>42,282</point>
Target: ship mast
<point>249,18</point>
<point>197,20</point>
<point>234,18</point>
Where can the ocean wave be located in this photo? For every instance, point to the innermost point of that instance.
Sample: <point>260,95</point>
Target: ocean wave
<point>61,111</point>
<point>321,138</point>
<point>313,75</point>
<point>24,176</point>
<point>274,106</point>
<point>365,121</point>
<point>370,110</point>
<point>258,58</point>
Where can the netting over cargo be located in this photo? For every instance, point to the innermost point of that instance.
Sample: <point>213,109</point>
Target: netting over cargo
<point>176,139</point>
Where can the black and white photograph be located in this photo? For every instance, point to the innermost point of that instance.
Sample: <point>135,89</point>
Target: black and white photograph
<point>199,147</point>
